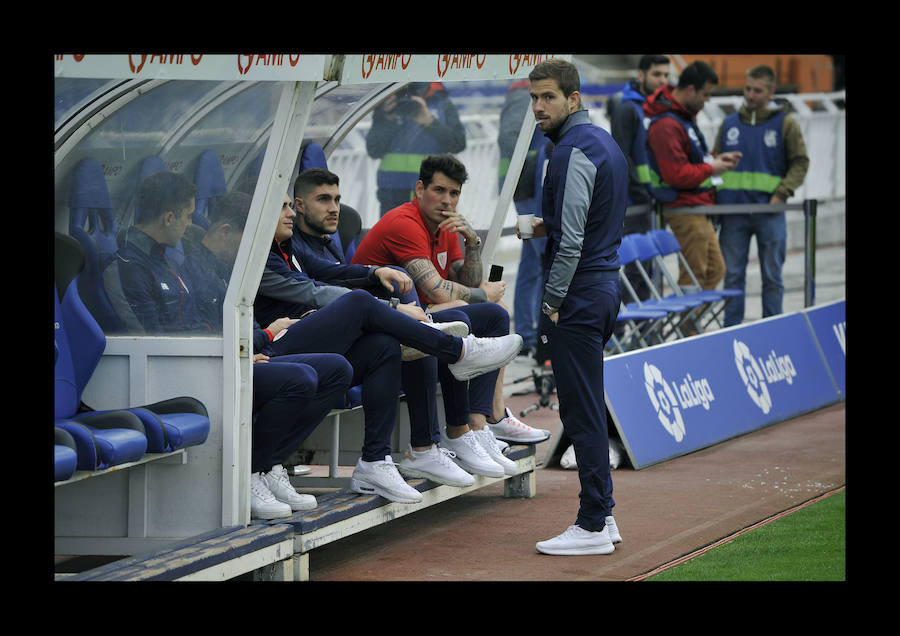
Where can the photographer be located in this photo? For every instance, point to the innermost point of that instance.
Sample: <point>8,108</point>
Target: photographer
<point>415,122</point>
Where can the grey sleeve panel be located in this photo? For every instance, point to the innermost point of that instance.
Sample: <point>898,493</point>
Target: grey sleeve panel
<point>579,188</point>
<point>303,292</point>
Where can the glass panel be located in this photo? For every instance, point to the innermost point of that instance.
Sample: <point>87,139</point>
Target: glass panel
<point>159,263</point>
<point>378,160</point>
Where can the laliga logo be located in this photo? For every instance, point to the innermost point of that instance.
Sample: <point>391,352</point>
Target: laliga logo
<point>731,137</point>
<point>757,373</point>
<point>771,138</point>
<point>752,376</point>
<point>664,402</point>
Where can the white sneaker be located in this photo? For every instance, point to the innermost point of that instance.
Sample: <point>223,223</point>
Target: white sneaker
<point>485,354</point>
<point>381,478</point>
<point>280,486</point>
<point>263,504</point>
<point>470,456</point>
<point>614,535</point>
<point>435,464</point>
<point>512,429</point>
<point>488,443</point>
<point>576,540</point>
<point>454,328</point>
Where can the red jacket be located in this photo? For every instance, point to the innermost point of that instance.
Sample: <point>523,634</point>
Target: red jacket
<point>671,147</point>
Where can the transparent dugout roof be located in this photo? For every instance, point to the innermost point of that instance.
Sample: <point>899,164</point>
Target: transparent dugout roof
<point>119,128</point>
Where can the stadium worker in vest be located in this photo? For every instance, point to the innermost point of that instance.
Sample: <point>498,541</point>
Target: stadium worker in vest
<point>583,204</point>
<point>417,121</point>
<point>625,111</point>
<point>773,165</point>
<point>683,172</point>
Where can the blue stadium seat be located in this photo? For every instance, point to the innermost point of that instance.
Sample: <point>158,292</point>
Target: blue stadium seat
<point>92,223</point>
<point>209,177</point>
<point>164,426</point>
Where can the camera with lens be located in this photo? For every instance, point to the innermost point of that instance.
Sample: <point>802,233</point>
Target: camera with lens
<point>405,105</point>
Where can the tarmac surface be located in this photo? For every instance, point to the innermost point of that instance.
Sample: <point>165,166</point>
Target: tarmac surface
<point>663,512</point>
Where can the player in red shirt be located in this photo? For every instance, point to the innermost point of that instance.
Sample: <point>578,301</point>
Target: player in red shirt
<point>422,236</point>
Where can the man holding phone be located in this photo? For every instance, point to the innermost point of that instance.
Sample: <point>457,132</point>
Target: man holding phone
<point>422,237</point>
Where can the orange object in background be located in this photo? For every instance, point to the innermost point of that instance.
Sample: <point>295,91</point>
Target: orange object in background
<point>793,73</point>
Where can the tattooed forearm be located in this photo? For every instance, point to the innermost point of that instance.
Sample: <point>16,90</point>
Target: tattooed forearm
<point>470,273</point>
<point>430,283</point>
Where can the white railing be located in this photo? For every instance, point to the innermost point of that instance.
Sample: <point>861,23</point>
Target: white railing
<point>824,131</point>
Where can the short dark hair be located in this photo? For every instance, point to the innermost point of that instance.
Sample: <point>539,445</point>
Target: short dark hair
<point>565,73</point>
<point>446,164</point>
<point>162,192</point>
<point>697,74</point>
<point>313,178</point>
<point>761,71</point>
<point>233,209</point>
<point>647,61</point>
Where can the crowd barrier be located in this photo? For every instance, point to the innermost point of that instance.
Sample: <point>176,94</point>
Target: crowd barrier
<point>679,397</point>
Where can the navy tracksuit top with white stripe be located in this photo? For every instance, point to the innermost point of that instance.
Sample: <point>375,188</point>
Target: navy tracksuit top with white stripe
<point>583,233</point>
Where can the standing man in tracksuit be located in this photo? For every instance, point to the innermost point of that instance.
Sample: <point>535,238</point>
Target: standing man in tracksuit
<point>583,202</point>
<point>773,165</point>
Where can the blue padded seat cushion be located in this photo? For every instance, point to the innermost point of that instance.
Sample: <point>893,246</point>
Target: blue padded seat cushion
<point>65,455</point>
<point>65,462</point>
<point>106,439</point>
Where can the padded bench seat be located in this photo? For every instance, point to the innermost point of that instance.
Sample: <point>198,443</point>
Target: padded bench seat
<point>217,555</point>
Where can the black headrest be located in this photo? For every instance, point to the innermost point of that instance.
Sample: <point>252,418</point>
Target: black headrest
<point>349,224</point>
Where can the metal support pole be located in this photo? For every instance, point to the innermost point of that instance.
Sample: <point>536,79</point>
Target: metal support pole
<point>809,252</point>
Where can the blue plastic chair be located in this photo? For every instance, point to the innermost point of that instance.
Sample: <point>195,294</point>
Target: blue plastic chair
<point>666,243</point>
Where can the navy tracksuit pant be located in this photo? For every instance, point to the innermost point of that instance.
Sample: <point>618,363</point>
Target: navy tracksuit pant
<point>367,332</point>
<point>419,378</point>
<point>586,320</point>
<point>292,394</point>
<point>485,320</point>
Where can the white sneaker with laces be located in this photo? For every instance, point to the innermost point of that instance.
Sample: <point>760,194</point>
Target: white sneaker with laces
<point>576,540</point>
<point>454,328</point>
<point>435,464</point>
<point>488,443</point>
<point>381,478</point>
<point>482,355</point>
<point>263,504</point>
<point>470,456</point>
<point>280,486</point>
<point>512,429</point>
<point>614,535</point>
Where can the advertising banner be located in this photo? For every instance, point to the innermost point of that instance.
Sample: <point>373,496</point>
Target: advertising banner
<point>829,325</point>
<point>426,67</point>
<point>277,67</point>
<point>676,398</point>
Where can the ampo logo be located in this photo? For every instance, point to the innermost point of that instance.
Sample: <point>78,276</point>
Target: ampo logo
<point>752,375</point>
<point>664,402</point>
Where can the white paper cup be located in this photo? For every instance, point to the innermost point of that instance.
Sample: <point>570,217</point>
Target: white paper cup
<point>524,224</point>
